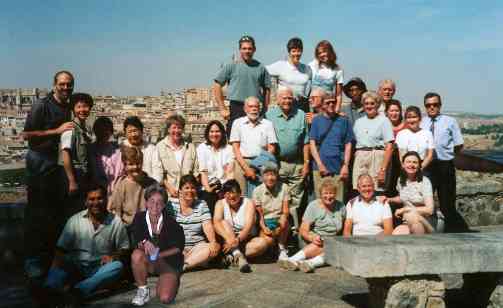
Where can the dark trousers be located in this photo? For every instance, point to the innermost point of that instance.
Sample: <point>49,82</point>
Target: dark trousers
<point>442,174</point>
<point>44,219</point>
<point>236,109</point>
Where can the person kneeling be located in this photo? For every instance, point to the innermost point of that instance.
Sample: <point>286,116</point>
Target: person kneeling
<point>89,247</point>
<point>234,221</point>
<point>366,214</point>
<point>323,218</point>
<point>158,241</point>
<point>271,200</point>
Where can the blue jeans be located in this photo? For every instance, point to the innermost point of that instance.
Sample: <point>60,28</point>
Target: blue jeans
<point>95,275</point>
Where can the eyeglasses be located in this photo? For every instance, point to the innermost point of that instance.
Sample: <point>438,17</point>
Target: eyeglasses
<point>434,105</point>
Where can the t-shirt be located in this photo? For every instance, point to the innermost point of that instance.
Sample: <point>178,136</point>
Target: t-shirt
<point>253,138</point>
<point>192,224</point>
<point>331,149</point>
<point>295,77</point>
<point>213,161</point>
<point>419,141</point>
<point>375,132</point>
<point>415,192</point>
<point>324,222</point>
<point>245,80</point>
<point>325,77</point>
<point>271,201</point>
<point>367,217</point>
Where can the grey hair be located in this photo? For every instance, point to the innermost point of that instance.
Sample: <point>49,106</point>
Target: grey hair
<point>252,99</point>
<point>387,81</point>
<point>321,91</point>
<point>363,176</point>
<point>282,89</point>
<point>373,95</point>
<point>153,189</point>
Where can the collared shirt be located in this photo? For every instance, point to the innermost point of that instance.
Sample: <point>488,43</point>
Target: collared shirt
<point>244,79</point>
<point>332,147</point>
<point>271,201</point>
<point>375,132</point>
<point>352,113</point>
<point>214,161</point>
<point>253,137</point>
<point>173,167</point>
<point>447,135</point>
<point>367,217</point>
<point>85,244</point>
<point>291,131</point>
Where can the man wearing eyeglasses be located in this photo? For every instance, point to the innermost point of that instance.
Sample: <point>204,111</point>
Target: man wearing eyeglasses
<point>441,171</point>
<point>245,78</point>
<point>44,213</point>
<point>330,140</point>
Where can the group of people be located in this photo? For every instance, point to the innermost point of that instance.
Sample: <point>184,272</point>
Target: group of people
<point>274,172</point>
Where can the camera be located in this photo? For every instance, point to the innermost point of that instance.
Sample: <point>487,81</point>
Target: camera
<point>214,182</point>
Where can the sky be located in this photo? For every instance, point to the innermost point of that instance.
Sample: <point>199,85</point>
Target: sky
<point>123,47</point>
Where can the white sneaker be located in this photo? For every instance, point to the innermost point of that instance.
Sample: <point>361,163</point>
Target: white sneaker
<point>283,255</point>
<point>142,297</point>
<point>288,265</point>
<point>306,267</point>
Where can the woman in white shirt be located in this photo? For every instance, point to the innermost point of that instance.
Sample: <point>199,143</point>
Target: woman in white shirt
<point>293,74</point>
<point>418,212</point>
<point>413,138</point>
<point>327,74</point>
<point>216,162</point>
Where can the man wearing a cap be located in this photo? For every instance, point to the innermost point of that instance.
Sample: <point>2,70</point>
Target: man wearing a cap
<point>293,146</point>
<point>354,89</point>
<point>245,78</point>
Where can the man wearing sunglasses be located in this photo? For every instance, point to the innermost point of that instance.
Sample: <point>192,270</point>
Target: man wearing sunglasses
<point>442,173</point>
<point>245,78</point>
<point>330,140</point>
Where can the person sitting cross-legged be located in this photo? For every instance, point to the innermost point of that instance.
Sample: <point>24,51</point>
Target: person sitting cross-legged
<point>159,241</point>
<point>235,222</point>
<point>88,250</point>
<point>323,218</point>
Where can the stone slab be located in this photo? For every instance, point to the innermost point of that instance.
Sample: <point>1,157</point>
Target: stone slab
<point>397,256</point>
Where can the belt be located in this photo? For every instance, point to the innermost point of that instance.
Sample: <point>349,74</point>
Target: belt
<point>370,148</point>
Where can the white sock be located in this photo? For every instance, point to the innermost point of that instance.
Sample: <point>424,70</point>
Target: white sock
<point>236,252</point>
<point>281,247</point>
<point>299,256</point>
<point>142,287</point>
<point>317,261</point>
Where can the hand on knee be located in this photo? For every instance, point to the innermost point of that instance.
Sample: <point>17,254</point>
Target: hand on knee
<point>167,297</point>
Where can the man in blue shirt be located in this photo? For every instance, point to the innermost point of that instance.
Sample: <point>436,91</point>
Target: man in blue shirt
<point>442,173</point>
<point>330,144</point>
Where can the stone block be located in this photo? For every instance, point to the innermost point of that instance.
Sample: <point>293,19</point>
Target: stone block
<point>398,256</point>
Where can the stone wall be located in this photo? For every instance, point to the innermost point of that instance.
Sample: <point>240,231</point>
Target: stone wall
<point>480,198</point>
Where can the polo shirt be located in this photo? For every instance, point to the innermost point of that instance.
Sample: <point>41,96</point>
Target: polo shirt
<point>192,224</point>
<point>420,141</point>
<point>271,201</point>
<point>84,244</point>
<point>253,137</point>
<point>375,132</point>
<point>332,149</point>
<point>295,77</point>
<point>367,217</point>
<point>447,135</point>
<point>244,79</point>
<point>291,132</point>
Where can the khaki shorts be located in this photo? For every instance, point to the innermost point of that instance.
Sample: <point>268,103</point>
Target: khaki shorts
<point>368,162</point>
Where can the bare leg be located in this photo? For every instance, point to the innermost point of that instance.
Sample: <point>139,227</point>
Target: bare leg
<point>312,250</point>
<point>257,246</point>
<point>167,287</point>
<point>139,264</point>
<point>198,256</point>
<point>414,221</point>
<point>225,230</point>
<point>283,234</point>
<point>401,230</point>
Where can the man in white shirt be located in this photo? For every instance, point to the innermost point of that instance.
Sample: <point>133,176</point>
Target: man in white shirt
<point>365,215</point>
<point>250,135</point>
